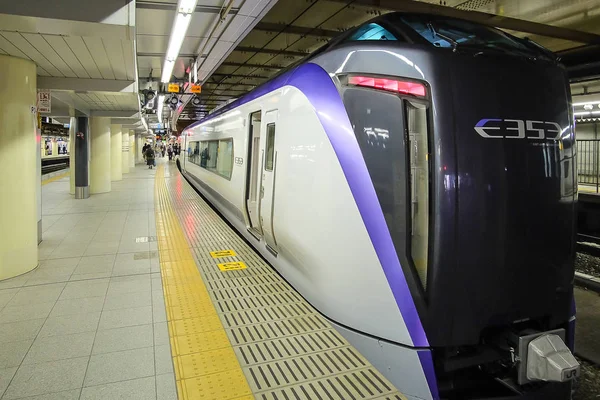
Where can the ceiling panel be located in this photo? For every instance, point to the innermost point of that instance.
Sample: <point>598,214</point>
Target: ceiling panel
<point>129,58</point>
<point>64,51</point>
<point>46,49</point>
<point>235,28</point>
<point>116,58</point>
<point>98,52</point>
<point>320,12</point>
<point>201,24</point>
<point>19,41</point>
<point>10,48</point>
<point>79,48</point>
<point>285,11</point>
<point>154,22</point>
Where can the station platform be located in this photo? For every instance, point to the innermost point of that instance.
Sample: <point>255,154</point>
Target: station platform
<point>587,337</point>
<point>146,293</point>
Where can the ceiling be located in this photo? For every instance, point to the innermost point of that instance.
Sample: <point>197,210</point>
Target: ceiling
<point>216,28</point>
<point>293,29</point>
<point>85,57</point>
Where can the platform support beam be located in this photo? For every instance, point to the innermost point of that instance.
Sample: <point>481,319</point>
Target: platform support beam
<point>18,156</point>
<point>116,153</point>
<point>100,167</point>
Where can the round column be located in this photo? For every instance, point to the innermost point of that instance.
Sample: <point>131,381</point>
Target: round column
<point>139,145</point>
<point>125,153</point>
<point>18,157</point>
<point>131,149</point>
<point>116,154</point>
<point>100,155</point>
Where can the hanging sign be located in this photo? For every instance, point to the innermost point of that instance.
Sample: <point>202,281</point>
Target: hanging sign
<point>44,101</point>
<point>173,88</point>
<point>196,89</point>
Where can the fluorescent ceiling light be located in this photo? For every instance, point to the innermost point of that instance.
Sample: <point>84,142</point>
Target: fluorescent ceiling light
<point>586,102</point>
<point>167,71</point>
<point>187,6</point>
<point>159,108</point>
<point>183,17</point>
<point>587,113</point>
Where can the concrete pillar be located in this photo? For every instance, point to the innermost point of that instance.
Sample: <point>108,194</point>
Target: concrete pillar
<point>126,152</point>
<point>72,126</point>
<point>116,153</point>
<point>18,157</point>
<point>132,151</point>
<point>100,155</point>
<point>139,145</point>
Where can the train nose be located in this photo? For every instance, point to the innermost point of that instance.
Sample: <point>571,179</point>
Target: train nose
<point>549,359</point>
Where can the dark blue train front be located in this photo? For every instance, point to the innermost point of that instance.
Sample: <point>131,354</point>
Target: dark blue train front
<point>467,133</point>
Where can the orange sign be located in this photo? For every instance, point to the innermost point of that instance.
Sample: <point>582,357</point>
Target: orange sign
<point>196,89</point>
<point>173,88</point>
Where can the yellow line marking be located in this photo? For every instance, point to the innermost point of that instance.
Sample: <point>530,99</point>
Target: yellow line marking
<point>55,178</point>
<point>222,253</point>
<point>205,364</point>
<point>232,266</point>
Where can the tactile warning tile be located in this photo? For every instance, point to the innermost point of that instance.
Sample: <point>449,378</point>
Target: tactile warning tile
<point>205,364</point>
<point>285,348</point>
<point>221,385</point>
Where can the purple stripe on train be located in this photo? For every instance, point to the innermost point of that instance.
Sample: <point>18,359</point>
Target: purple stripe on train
<point>322,93</point>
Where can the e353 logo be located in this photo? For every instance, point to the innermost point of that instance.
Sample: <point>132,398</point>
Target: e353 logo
<point>491,128</point>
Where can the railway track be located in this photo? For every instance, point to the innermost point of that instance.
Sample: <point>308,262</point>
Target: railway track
<point>589,245</point>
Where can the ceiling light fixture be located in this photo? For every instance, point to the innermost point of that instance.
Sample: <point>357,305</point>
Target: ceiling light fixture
<point>586,102</point>
<point>159,108</point>
<point>185,9</point>
<point>586,113</point>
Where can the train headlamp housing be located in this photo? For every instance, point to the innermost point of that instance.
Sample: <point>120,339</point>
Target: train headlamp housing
<point>400,86</point>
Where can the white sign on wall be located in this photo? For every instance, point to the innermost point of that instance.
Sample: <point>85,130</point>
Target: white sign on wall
<point>44,101</point>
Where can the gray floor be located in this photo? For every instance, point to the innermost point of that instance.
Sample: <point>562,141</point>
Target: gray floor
<point>89,322</point>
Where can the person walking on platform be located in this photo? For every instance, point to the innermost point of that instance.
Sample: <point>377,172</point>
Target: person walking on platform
<point>170,152</point>
<point>149,153</point>
<point>144,149</point>
<point>162,150</point>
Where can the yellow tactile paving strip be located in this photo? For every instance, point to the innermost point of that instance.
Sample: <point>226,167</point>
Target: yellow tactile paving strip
<point>206,366</point>
<point>54,178</point>
<point>256,320</point>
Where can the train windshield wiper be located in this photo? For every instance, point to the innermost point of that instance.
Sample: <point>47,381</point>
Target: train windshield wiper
<point>448,39</point>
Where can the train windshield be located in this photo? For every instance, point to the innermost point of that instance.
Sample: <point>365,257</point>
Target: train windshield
<point>460,34</point>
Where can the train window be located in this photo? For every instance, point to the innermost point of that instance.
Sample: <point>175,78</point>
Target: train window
<point>456,33</point>
<point>418,154</point>
<point>194,152</point>
<point>225,158</point>
<point>270,147</point>
<point>213,155</point>
<point>372,31</point>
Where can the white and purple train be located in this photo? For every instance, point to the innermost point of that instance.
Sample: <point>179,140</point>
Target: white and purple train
<point>414,181</point>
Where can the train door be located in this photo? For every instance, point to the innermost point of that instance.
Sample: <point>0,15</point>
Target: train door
<point>267,190</point>
<point>253,177</point>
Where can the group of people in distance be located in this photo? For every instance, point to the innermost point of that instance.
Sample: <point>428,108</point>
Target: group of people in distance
<point>150,152</point>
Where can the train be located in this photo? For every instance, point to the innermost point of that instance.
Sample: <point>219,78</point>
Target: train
<point>414,180</point>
